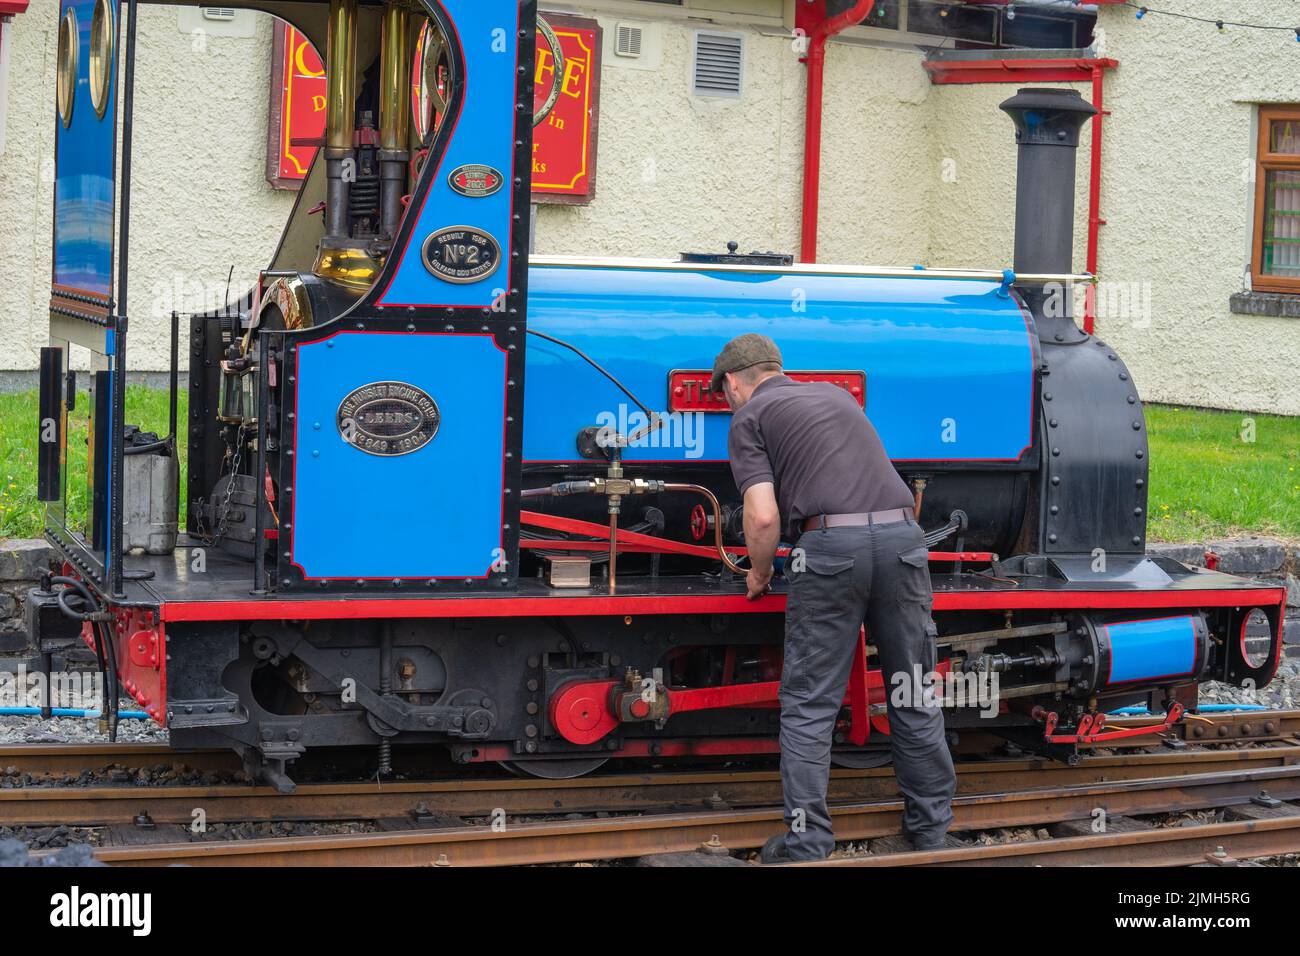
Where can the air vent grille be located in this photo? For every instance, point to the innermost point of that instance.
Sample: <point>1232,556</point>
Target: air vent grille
<point>718,65</point>
<point>628,40</point>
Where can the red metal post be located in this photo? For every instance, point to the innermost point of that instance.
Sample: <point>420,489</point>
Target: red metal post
<point>812,144</point>
<point>1019,70</point>
<point>1095,222</point>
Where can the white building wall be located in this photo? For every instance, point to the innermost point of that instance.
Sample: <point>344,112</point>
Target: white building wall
<point>911,173</point>
<point>1178,199</point>
<point>200,200</point>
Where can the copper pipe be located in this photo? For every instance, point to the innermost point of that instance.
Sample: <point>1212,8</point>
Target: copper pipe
<point>717,522</point>
<point>918,493</point>
<point>613,549</point>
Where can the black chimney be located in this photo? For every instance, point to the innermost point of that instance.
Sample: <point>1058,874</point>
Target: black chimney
<point>1047,130</point>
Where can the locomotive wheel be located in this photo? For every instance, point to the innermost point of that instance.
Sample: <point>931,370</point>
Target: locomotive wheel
<point>861,759</point>
<point>555,769</point>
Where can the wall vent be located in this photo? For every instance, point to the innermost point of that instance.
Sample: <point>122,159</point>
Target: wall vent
<point>223,14</point>
<point>628,40</point>
<point>718,64</point>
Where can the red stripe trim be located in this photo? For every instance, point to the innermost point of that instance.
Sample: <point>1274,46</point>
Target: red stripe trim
<point>353,608</point>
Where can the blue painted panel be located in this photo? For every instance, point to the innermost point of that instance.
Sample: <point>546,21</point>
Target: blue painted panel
<point>433,513</point>
<point>948,362</point>
<point>487,31</point>
<point>1143,650</point>
<point>83,192</point>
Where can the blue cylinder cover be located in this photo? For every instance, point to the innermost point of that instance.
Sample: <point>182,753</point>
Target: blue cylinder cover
<point>1144,651</point>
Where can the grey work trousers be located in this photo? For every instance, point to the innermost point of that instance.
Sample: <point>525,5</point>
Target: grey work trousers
<point>847,577</point>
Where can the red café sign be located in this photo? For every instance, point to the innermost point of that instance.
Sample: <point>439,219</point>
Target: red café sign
<point>297,108</point>
<point>564,144</point>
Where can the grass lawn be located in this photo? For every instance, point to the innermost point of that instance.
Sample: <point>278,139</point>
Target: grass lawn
<point>1215,474</point>
<point>1208,477</point>
<point>20,512</point>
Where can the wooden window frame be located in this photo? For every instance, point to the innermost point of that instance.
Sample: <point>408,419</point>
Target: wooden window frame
<point>1266,162</point>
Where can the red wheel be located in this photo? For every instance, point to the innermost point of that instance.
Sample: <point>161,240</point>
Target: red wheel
<point>699,523</point>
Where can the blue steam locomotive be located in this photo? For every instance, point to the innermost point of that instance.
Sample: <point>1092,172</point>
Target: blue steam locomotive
<point>445,494</point>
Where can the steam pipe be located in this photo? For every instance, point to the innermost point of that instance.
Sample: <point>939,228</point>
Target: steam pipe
<point>394,115</point>
<point>812,144</point>
<point>340,111</point>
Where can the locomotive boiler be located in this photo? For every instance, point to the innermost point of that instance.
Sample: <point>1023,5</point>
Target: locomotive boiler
<point>445,494</point>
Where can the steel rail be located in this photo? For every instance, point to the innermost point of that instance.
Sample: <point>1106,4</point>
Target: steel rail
<point>108,805</point>
<point>54,759</point>
<point>1166,846</point>
<point>574,840</point>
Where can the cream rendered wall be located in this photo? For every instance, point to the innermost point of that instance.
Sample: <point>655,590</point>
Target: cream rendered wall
<point>1178,200</point>
<point>969,186</point>
<point>679,172</point>
<point>911,172</point>
<point>1177,197</point>
<point>27,186</point>
<point>200,201</point>
<point>676,172</point>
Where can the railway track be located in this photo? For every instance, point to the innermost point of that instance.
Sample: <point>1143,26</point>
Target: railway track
<point>117,804</point>
<point>56,759</point>
<point>447,820</point>
<point>637,835</point>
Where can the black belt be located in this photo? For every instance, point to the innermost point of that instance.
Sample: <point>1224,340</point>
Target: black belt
<point>861,519</point>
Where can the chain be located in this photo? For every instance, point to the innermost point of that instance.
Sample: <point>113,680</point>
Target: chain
<point>224,511</point>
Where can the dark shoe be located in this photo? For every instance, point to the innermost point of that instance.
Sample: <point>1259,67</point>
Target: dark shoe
<point>924,844</point>
<point>774,850</point>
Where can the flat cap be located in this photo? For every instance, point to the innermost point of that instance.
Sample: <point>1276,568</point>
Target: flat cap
<point>742,352</point>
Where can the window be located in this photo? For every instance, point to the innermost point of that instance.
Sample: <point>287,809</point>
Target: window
<point>1036,25</point>
<point>1275,258</point>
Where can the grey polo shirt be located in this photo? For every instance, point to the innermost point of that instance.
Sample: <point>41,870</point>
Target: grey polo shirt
<point>822,454</point>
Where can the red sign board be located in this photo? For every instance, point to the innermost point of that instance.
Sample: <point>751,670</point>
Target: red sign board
<point>297,115</point>
<point>688,391</point>
<point>564,144</point>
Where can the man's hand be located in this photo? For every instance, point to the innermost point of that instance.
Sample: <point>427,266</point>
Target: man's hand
<point>758,582</point>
